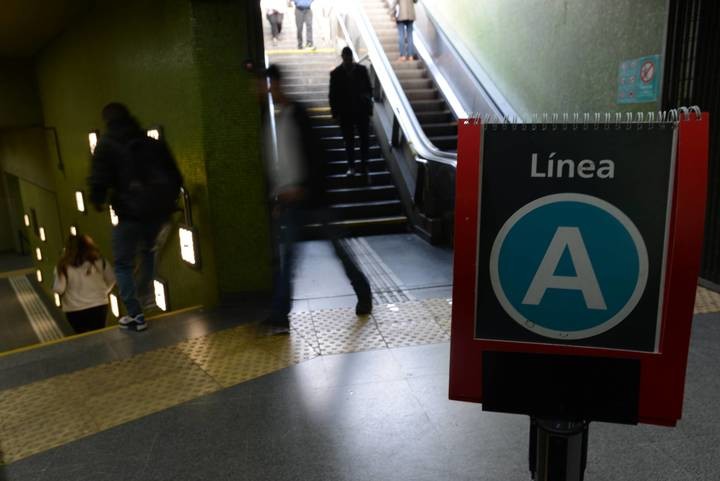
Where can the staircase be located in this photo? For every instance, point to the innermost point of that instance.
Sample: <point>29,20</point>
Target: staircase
<point>432,111</point>
<point>362,205</point>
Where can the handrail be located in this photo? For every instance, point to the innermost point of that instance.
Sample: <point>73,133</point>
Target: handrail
<point>424,150</point>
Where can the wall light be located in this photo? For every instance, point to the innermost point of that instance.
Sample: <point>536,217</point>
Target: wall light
<point>38,253</point>
<point>160,294</point>
<point>93,140</point>
<point>38,275</point>
<point>57,299</point>
<point>80,200</point>
<point>73,230</point>
<point>26,220</point>
<point>114,220</point>
<point>189,251</point>
<point>41,231</point>
<point>154,133</point>
<point>114,306</point>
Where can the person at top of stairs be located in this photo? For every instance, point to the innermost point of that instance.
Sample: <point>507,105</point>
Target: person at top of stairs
<point>404,15</point>
<point>304,16</point>
<point>351,104</point>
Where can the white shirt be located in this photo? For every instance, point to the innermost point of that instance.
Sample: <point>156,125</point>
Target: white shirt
<point>85,286</point>
<point>288,170</point>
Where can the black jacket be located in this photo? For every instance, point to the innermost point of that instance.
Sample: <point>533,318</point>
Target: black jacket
<point>314,157</point>
<point>350,92</point>
<point>114,170</point>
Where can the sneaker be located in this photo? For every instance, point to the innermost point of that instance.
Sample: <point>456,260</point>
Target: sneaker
<point>133,323</point>
<point>310,46</point>
<point>300,47</point>
<point>279,330</point>
<point>363,307</point>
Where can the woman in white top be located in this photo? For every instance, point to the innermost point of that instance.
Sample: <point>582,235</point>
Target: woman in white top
<point>83,279</point>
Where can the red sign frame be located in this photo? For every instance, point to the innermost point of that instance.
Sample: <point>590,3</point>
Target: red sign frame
<point>662,375</point>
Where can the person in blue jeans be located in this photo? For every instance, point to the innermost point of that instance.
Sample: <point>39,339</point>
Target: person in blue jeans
<point>304,16</point>
<point>143,181</point>
<point>404,15</point>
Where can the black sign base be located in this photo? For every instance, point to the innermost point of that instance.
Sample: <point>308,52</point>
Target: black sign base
<point>558,450</point>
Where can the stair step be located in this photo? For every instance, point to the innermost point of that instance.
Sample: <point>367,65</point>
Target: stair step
<point>434,117</point>
<point>444,142</point>
<point>366,210</point>
<point>366,193</point>
<point>359,227</point>
<point>411,74</point>
<point>421,94</point>
<point>443,128</point>
<point>342,181</point>
<point>338,154</point>
<point>428,105</point>
<point>337,142</point>
<point>411,84</point>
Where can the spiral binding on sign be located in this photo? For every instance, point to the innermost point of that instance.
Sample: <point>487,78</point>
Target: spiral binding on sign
<point>587,120</point>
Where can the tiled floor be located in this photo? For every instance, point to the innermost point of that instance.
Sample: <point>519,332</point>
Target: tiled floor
<point>203,397</point>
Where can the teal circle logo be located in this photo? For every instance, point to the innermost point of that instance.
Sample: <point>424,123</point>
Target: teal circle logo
<point>568,266</point>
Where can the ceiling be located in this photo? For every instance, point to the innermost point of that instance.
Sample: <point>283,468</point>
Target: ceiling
<point>26,26</point>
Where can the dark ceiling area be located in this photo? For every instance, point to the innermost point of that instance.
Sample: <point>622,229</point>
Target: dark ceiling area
<point>26,26</point>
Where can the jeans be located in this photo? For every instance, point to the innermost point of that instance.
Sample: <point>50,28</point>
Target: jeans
<point>347,124</point>
<point>304,17</point>
<point>131,239</point>
<point>292,219</point>
<point>405,33</point>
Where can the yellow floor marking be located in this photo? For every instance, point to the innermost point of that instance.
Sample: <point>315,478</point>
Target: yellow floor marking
<point>56,411</point>
<point>85,334</point>
<point>17,273</point>
<point>305,51</point>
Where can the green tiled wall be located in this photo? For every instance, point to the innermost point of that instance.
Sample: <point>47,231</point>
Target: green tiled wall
<point>557,55</point>
<point>230,116</point>
<point>142,54</point>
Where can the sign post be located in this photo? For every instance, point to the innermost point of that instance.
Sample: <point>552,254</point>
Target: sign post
<point>577,250</point>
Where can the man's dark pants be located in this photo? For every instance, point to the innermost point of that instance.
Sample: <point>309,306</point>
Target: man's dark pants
<point>348,124</point>
<point>287,231</point>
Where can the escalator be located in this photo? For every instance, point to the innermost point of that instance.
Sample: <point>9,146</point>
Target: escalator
<point>431,109</point>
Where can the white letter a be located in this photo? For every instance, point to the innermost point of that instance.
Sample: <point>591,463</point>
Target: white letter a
<point>584,280</point>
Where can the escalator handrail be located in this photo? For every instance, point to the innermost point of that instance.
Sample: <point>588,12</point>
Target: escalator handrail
<point>395,94</point>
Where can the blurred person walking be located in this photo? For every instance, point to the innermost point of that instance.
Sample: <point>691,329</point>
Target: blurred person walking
<point>404,15</point>
<point>351,105</point>
<point>275,13</point>
<point>83,279</point>
<point>143,181</point>
<point>304,16</point>
<point>298,196</point>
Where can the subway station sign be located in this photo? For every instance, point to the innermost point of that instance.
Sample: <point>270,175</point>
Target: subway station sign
<point>576,261</point>
<point>573,236</point>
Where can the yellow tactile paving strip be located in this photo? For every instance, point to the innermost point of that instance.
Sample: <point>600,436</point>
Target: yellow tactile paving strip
<point>49,413</point>
<point>706,301</point>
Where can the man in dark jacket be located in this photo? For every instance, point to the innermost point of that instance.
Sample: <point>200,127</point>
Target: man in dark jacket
<point>351,105</point>
<point>144,183</point>
<point>297,190</point>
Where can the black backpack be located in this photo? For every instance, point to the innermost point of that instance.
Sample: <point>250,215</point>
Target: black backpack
<point>152,187</point>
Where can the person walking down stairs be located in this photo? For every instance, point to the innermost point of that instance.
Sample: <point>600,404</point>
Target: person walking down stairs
<point>351,105</point>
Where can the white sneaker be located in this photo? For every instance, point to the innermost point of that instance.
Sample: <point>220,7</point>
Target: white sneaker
<point>133,323</point>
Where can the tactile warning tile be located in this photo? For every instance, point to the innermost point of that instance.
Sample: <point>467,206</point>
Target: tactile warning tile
<point>363,336</point>
<point>240,354</point>
<point>410,311</point>
<point>441,310</point>
<point>706,301</point>
<point>41,416</point>
<point>302,323</point>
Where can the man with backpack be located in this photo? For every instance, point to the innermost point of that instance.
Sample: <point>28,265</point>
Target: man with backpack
<point>143,181</point>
